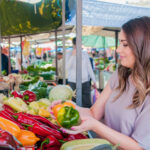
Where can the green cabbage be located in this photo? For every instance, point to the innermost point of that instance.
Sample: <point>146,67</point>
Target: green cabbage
<point>61,92</point>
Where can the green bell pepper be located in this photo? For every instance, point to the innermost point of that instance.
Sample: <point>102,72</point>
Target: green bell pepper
<point>67,117</point>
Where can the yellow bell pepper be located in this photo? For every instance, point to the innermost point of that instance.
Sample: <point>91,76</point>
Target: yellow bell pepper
<point>27,138</point>
<point>17,104</point>
<point>43,112</point>
<point>9,126</point>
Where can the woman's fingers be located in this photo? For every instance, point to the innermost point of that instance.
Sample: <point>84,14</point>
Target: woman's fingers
<point>72,131</point>
<point>55,103</point>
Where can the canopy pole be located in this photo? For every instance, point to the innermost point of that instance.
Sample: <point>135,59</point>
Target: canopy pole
<point>21,52</point>
<point>0,52</point>
<point>64,50</point>
<point>9,59</point>
<point>116,46</point>
<point>104,41</point>
<point>56,54</point>
<point>79,53</point>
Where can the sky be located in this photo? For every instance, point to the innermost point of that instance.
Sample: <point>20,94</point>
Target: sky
<point>121,1</point>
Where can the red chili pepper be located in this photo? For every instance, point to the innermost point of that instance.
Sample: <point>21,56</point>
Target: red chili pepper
<point>16,94</point>
<point>36,126</point>
<point>29,96</point>
<point>44,130</point>
<point>24,119</point>
<point>7,116</point>
<point>50,141</point>
<point>7,141</point>
<point>10,112</point>
<point>7,108</point>
<point>44,120</point>
<point>74,137</point>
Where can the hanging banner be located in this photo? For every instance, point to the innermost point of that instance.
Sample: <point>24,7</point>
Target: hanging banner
<point>26,48</point>
<point>38,52</point>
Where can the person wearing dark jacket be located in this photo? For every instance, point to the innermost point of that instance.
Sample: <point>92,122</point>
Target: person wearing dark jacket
<point>4,61</point>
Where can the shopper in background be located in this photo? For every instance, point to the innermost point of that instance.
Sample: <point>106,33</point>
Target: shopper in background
<point>45,56</point>
<point>87,74</point>
<point>60,68</point>
<point>18,61</point>
<point>125,101</point>
<point>4,60</point>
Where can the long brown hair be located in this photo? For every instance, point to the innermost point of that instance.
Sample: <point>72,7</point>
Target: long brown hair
<point>137,33</point>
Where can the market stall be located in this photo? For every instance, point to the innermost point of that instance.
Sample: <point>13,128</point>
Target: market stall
<point>25,118</point>
<point>26,115</point>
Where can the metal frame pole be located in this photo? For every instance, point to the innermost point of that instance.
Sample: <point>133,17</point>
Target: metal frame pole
<point>56,53</point>
<point>9,59</point>
<point>64,50</point>
<point>79,53</point>
<point>21,51</point>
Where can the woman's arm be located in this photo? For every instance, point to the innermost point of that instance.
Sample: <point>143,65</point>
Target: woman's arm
<point>97,110</point>
<point>114,137</point>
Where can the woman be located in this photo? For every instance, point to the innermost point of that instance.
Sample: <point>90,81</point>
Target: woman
<point>125,101</point>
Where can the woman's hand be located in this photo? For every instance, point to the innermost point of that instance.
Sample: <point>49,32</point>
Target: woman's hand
<point>54,103</point>
<point>87,123</point>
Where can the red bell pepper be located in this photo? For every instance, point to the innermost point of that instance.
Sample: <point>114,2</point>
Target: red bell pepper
<point>51,148</point>
<point>16,94</point>
<point>50,141</point>
<point>7,141</point>
<point>29,96</point>
<point>75,137</point>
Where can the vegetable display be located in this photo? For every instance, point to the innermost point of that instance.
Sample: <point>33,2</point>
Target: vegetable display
<point>28,119</point>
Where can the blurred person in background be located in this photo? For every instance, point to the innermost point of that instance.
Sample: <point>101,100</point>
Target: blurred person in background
<point>60,67</point>
<point>87,74</point>
<point>18,61</point>
<point>5,61</point>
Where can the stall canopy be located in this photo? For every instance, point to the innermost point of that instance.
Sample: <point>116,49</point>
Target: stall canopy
<point>20,18</point>
<point>99,13</point>
<point>98,41</point>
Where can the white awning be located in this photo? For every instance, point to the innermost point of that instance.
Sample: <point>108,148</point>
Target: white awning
<point>99,13</point>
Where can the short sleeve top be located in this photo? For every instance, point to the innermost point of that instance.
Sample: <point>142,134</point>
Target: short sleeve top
<point>134,123</point>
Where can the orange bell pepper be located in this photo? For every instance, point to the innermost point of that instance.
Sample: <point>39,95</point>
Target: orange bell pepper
<point>57,107</point>
<point>27,138</point>
<point>9,126</point>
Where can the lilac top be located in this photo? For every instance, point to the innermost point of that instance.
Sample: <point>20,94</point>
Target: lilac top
<point>134,123</point>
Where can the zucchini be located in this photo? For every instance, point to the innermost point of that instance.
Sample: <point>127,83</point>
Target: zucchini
<point>85,144</point>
